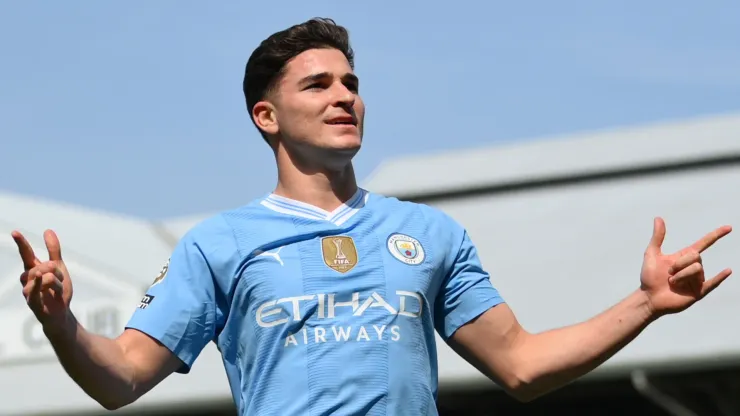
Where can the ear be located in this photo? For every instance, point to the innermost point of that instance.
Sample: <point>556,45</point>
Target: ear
<point>265,118</point>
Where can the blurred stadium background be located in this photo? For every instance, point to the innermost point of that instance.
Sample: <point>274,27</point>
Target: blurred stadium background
<point>560,223</point>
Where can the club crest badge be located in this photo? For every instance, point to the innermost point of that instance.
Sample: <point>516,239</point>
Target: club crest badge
<point>406,249</point>
<point>340,253</point>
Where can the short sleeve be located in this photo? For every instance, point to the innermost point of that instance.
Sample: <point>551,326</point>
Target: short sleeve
<point>466,292</point>
<point>180,308</point>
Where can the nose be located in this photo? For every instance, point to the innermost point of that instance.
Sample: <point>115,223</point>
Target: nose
<point>343,96</point>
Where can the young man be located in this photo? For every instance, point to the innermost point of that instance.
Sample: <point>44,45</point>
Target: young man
<point>323,297</point>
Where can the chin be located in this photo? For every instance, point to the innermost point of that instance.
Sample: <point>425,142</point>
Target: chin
<point>339,153</point>
<point>346,152</point>
<point>347,142</point>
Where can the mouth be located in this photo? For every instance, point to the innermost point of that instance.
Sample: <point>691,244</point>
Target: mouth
<point>342,121</point>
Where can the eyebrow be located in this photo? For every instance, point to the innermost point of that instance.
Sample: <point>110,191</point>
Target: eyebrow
<point>348,77</point>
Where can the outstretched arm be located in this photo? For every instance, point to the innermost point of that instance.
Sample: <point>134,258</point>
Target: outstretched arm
<point>529,365</point>
<point>114,372</point>
<point>165,337</point>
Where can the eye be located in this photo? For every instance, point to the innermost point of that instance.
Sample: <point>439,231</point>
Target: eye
<point>352,87</point>
<point>315,85</point>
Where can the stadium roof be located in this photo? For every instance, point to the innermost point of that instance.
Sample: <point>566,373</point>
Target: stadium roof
<point>655,145</point>
<point>128,248</point>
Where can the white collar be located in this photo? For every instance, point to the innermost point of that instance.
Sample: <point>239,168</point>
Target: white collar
<point>338,216</point>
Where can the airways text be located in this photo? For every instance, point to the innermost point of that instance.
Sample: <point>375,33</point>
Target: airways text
<point>325,306</point>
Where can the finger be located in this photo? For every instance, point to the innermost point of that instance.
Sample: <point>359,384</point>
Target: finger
<point>711,238</point>
<point>684,261</point>
<point>656,241</point>
<point>51,281</point>
<point>45,267</point>
<point>27,278</point>
<point>714,282</point>
<point>687,274</point>
<point>31,289</point>
<point>59,275</point>
<point>53,245</point>
<point>26,251</point>
<point>24,278</point>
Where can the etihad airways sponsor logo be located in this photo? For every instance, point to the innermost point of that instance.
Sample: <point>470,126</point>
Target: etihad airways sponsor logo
<point>326,306</point>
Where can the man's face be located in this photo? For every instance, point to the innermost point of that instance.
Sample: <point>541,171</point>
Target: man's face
<point>317,104</point>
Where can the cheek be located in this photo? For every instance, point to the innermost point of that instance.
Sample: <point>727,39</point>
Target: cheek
<point>359,109</point>
<point>299,120</point>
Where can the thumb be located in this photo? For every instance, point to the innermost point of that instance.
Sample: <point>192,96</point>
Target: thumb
<point>656,241</point>
<point>53,246</point>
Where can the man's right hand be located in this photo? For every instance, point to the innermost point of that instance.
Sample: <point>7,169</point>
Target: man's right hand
<point>114,372</point>
<point>46,285</point>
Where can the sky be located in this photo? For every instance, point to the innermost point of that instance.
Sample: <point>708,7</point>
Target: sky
<point>136,107</point>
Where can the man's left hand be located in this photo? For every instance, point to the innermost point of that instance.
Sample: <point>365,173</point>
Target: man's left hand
<point>673,282</point>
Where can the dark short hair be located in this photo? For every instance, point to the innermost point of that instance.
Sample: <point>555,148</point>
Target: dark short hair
<point>267,63</point>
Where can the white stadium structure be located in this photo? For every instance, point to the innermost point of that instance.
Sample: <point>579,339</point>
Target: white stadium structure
<point>561,224</point>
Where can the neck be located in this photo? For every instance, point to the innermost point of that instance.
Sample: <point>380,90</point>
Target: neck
<point>323,188</point>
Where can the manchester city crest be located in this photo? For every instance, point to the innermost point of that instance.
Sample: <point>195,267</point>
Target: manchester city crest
<point>406,249</point>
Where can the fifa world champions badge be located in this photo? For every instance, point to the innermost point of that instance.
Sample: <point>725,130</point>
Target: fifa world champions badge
<point>340,253</point>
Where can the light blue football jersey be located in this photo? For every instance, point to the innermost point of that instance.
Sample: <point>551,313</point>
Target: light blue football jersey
<point>317,312</point>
